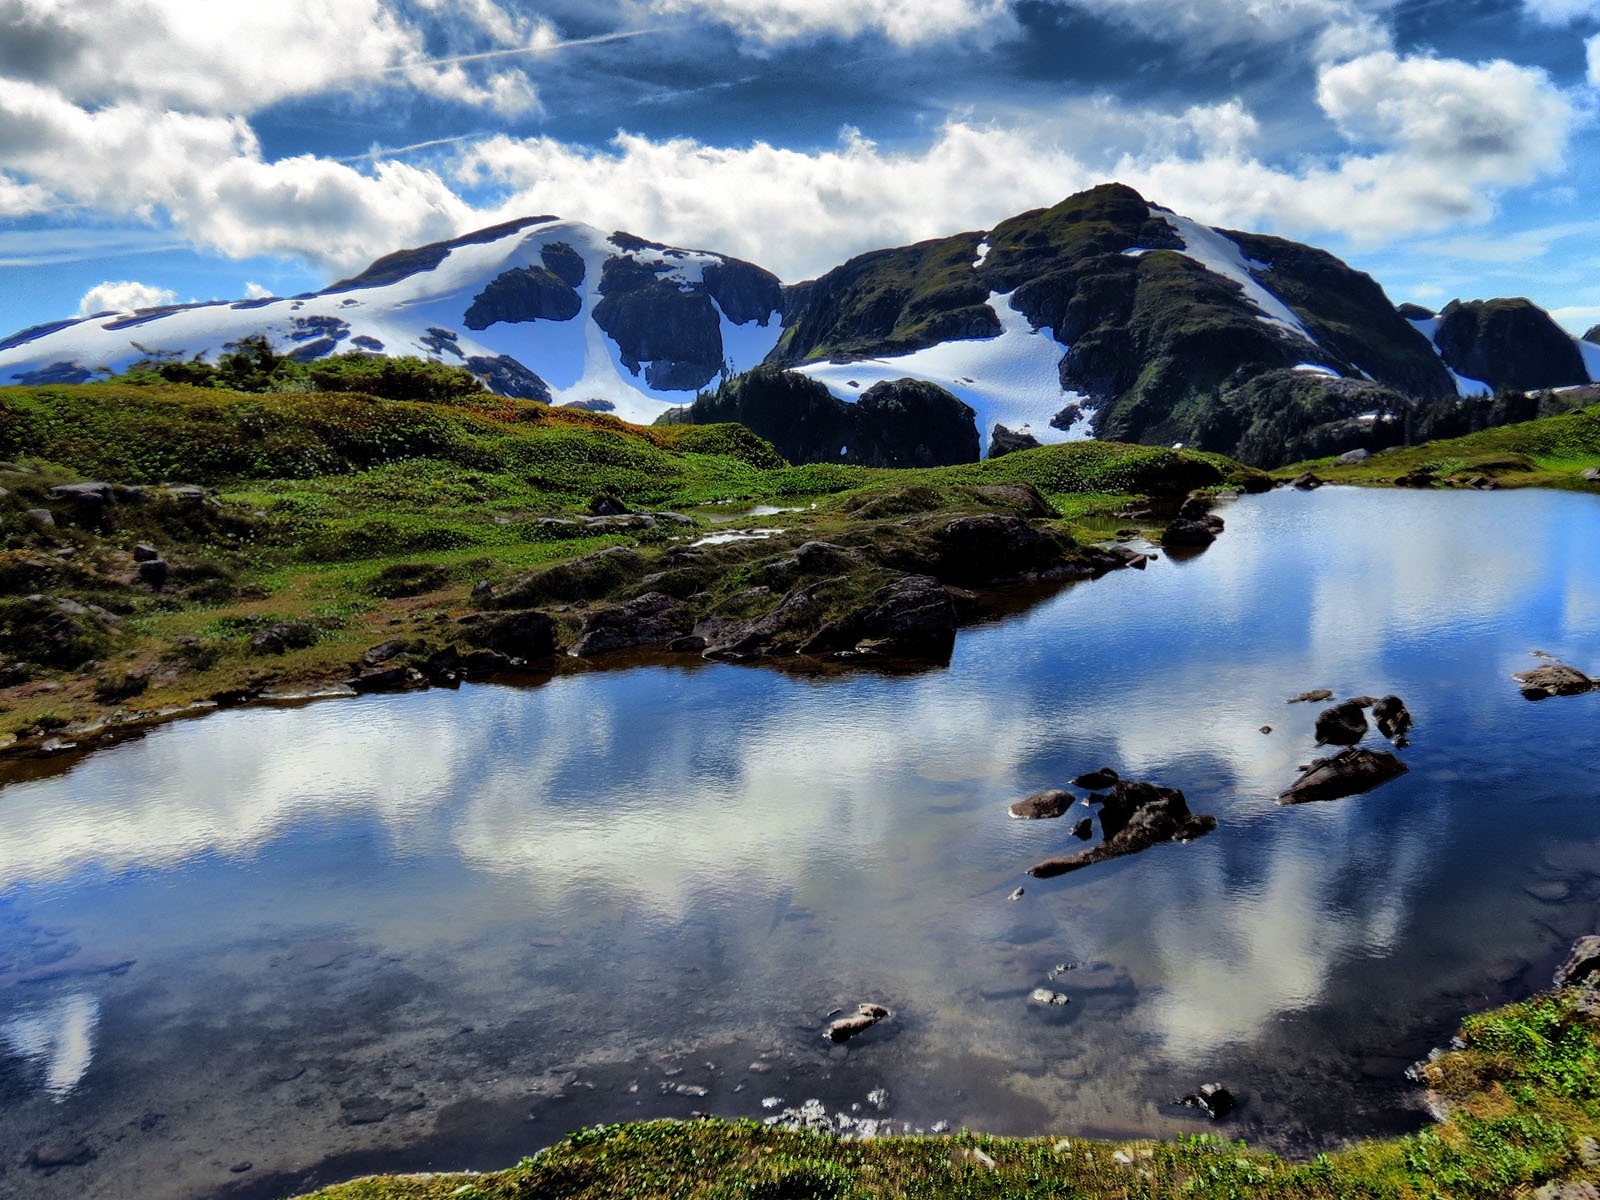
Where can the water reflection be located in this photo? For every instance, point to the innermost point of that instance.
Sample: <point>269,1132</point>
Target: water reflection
<point>726,853</point>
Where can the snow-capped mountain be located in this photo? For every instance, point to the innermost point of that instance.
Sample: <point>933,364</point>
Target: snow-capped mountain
<point>540,308</point>
<point>1104,315</point>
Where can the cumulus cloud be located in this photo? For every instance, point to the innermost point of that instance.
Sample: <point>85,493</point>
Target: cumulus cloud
<point>905,22</point>
<point>238,58</point>
<point>123,296</point>
<point>1561,12</point>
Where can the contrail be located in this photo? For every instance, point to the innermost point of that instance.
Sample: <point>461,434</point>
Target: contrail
<point>482,56</point>
<point>390,151</point>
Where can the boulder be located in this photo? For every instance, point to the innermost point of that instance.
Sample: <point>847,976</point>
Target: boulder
<point>155,572</point>
<point>1008,441</point>
<point>1134,817</point>
<point>384,679</point>
<point>650,619</point>
<point>1043,805</point>
<point>1305,483</point>
<point>524,633</point>
<point>863,1019</point>
<point>915,616</point>
<point>1184,534</point>
<point>1344,724</point>
<point>284,636</point>
<point>87,493</point>
<point>1351,457</point>
<point>145,553</point>
<point>1554,679</point>
<point>1083,830</point>
<point>1348,773</point>
<point>1392,718</point>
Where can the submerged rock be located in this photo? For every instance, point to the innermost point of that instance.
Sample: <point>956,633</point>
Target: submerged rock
<point>1044,996</point>
<point>1043,805</point>
<point>1348,773</point>
<point>1557,679</point>
<point>1133,817</point>
<point>863,1019</point>
<point>1317,696</point>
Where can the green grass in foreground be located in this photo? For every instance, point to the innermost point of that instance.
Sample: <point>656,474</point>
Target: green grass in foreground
<point>1521,1096</point>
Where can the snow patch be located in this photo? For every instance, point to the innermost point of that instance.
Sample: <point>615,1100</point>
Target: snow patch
<point>1309,368</point>
<point>983,253</point>
<point>1222,255</point>
<point>1012,379</point>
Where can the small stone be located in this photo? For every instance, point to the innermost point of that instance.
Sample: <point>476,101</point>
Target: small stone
<point>239,1168</point>
<point>1266,729</point>
<point>1016,895</point>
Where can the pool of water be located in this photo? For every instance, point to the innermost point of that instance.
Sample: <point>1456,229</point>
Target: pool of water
<point>250,953</point>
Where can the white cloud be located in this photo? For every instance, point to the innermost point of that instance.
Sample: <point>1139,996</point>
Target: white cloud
<point>1561,12</point>
<point>905,22</point>
<point>1592,56</point>
<point>1333,29</point>
<point>256,291</point>
<point>123,296</point>
<point>238,58</point>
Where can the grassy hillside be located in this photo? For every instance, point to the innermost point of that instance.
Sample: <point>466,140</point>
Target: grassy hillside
<point>348,520</point>
<point>1523,1096</point>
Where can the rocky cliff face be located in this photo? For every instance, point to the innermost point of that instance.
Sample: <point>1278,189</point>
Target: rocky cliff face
<point>1508,343</point>
<point>904,423</point>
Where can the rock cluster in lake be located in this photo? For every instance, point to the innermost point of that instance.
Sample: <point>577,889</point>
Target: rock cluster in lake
<point>1354,769</point>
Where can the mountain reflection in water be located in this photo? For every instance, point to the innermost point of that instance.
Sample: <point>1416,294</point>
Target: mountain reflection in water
<point>445,910</point>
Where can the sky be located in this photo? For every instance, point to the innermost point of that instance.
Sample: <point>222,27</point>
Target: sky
<point>154,151</point>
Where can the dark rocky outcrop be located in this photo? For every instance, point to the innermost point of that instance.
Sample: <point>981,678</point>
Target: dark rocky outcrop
<point>508,377</point>
<point>523,294</point>
<point>1392,718</point>
<point>1212,1099</point>
<point>1134,817</point>
<point>565,263</point>
<point>1348,773</point>
<point>651,619</point>
<point>1554,679</point>
<point>1508,343</point>
<point>914,617</point>
<point>899,423</point>
<point>588,578</point>
<point>743,291</point>
<point>1096,781</point>
<point>1043,805</point>
<point>1009,441</point>
<point>526,634</point>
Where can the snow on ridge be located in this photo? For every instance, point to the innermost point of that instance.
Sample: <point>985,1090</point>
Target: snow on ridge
<point>1466,388</point>
<point>1012,379</point>
<point>983,253</point>
<point>1311,368</point>
<point>1220,254</point>
<point>1591,358</point>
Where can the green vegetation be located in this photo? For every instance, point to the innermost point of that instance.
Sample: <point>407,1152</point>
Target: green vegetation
<point>296,530</point>
<point>1522,1097</point>
<point>1546,452</point>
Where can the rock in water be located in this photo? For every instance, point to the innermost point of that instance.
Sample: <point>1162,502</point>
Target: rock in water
<point>863,1019</point>
<point>1348,773</point>
<point>1084,829</point>
<point>1557,679</point>
<point>1317,696</point>
<point>1344,724</point>
<point>1392,717</point>
<point>1135,816</point>
<point>1043,805</point>
<point>1212,1099</point>
<point>1046,997</point>
<point>1096,781</point>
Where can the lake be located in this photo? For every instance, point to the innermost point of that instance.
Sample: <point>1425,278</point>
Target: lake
<point>271,948</point>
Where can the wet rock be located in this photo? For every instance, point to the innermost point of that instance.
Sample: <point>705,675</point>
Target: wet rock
<point>1212,1099</point>
<point>387,679</point>
<point>1316,696</point>
<point>863,1019</point>
<point>524,633</point>
<point>1084,829</point>
<point>1582,966</point>
<point>1127,556</point>
<point>651,619</point>
<point>1392,718</point>
<point>1348,773</point>
<point>53,1155</point>
<point>1096,781</point>
<point>1043,805</point>
<point>1556,679</point>
<point>1343,724</point>
<point>1044,996</point>
<point>1133,817</point>
<point>1305,483</point>
<point>1184,534</point>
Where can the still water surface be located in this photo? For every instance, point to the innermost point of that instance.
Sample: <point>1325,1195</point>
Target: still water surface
<point>439,930</point>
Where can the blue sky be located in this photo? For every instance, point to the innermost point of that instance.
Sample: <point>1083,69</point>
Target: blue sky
<point>153,150</point>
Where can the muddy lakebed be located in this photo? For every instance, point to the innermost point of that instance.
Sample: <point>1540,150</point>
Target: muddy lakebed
<point>271,948</point>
